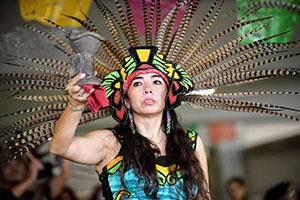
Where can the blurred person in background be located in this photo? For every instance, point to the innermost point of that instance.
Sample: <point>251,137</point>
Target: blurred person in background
<point>17,176</point>
<point>237,188</point>
<point>25,178</point>
<point>282,191</point>
<point>57,181</point>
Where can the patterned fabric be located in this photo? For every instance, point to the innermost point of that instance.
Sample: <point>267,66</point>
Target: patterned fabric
<point>170,181</point>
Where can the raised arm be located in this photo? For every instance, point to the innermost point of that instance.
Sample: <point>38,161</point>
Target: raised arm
<point>88,149</point>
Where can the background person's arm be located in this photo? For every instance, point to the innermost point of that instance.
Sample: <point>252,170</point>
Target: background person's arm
<point>34,167</point>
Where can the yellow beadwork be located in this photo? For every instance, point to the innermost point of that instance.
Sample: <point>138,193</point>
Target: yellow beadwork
<point>143,54</point>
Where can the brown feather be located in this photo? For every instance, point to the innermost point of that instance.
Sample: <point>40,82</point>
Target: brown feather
<point>148,30</point>
<point>135,41</point>
<point>124,26</point>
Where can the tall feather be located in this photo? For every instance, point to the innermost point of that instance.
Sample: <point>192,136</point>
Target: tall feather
<point>162,29</point>
<point>124,25</point>
<point>238,106</point>
<point>158,18</point>
<point>148,30</point>
<point>132,26</point>
<point>244,77</point>
<point>196,44</point>
<point>180,33</point>
<point>169,30</point>
<point>185,48</point>
<point>115,34</point>
<point>292,7</point>
<point>51,36</point>
<point>207,45</point>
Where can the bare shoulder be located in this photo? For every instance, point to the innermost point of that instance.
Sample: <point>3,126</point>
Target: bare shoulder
<point>104,136</point>
<point>202,157</point>
<point>110,146</point>
<point>100,134</point>
<point>201,154</point>
<point>200,145</point>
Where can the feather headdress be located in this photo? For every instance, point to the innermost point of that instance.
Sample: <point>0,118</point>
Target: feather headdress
<point>204,60</point>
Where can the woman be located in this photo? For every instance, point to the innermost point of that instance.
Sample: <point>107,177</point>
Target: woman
<point>151,155</point>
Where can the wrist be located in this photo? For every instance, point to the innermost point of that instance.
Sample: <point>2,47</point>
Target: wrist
<point>77,105</point>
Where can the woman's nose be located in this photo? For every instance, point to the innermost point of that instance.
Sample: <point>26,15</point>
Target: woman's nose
<point>148,88</point>
<point>148,91</point>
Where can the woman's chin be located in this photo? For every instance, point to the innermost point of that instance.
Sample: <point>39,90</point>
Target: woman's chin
<point>152,112</point>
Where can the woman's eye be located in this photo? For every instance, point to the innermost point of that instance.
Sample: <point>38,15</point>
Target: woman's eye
<point>135,84</point>
<point>157,82</point>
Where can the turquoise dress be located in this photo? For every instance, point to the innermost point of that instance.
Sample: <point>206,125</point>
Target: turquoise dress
<point>170,181</point>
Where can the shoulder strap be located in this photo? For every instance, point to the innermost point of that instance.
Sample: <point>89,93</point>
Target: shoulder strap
<point>193,138</point>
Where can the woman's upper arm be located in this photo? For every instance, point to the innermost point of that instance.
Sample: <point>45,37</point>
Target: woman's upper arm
<point>92,147</point>
<point>201,155</point>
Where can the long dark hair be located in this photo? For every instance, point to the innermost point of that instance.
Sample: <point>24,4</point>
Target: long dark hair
<point>139,151</point>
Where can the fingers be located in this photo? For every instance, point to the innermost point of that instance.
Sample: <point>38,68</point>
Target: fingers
<point>38,164</point>
<point>35,166</point>
<point>73,81</point>
<point>76,91</point>
<point>92,90</point>
<point>80,92</point>
<point>84,95</point>
<point>34,161</point>
<point>77,78</point>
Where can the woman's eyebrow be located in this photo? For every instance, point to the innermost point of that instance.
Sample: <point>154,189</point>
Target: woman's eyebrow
<point>137,77</point>
<point>156,76</point>
<point>141,77</point>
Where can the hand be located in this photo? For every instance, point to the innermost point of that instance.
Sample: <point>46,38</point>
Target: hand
<point>78,94</point>
<point>34,167</point>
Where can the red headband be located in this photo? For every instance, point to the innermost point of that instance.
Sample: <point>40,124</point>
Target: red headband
<point>140,70</point>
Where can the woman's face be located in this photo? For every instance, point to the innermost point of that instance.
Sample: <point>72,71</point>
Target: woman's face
<point>146,94</point>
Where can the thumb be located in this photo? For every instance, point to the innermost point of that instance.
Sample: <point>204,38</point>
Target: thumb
<point>92,90</point>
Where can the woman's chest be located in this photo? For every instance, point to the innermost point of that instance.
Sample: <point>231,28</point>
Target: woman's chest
<point>123,186</point>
